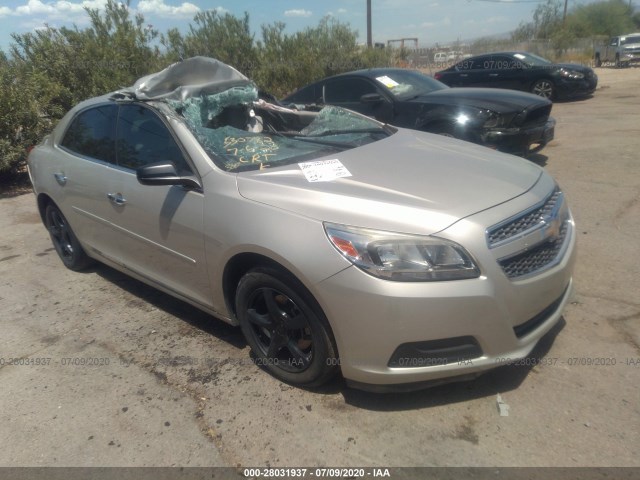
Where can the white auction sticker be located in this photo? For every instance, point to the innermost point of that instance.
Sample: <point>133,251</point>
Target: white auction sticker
<point>387,81</point>
<point>324,170</point>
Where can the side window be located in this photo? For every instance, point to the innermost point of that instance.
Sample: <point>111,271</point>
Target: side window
<point>504,62</point>
<point>310,94</point>
<point>143,139</point>
<point>347,90</point>
<point>614,42</point>
<point>92,133</point>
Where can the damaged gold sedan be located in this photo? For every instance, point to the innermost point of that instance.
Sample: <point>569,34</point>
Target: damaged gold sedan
<point>335,242</point>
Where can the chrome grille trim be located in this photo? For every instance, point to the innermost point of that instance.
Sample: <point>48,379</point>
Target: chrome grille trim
<point>539,258</point>
<point>525,222</point>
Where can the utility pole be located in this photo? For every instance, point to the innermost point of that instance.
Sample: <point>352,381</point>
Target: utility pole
<point>564,15</point>
<point>369,38</point>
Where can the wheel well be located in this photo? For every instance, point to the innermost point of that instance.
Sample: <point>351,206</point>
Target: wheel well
<point>236,268</point>
<point>43,201</point>
<point>240,264</point>
<point>548,79</point>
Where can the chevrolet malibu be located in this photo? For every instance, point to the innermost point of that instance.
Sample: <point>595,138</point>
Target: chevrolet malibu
<point>335,242</point>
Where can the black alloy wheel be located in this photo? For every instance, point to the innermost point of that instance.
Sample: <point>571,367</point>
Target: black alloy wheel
<point>64,240</point>
<point>285,328</point>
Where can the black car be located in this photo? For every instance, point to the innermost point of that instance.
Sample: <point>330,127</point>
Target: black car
<point>509,121</point>
<point>522,71</point>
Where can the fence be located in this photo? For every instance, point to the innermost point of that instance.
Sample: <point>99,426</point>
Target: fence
<point>431,59</point>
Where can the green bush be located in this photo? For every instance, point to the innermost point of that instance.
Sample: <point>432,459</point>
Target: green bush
<point>49,71</point>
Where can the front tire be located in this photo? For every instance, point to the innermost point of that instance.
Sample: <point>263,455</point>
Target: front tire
<point>544,88</point>
<point>285,328</point>
<point>619,63</point>
<point>64,240</point>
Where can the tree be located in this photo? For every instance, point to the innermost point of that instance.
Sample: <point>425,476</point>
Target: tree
<point>608,18</point>
<point>289,61</point>
<point>51,70</point>
<point>224,37</point>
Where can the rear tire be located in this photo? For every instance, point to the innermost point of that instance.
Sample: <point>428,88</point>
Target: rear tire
<point>285,328</point>
<point>64,240</point>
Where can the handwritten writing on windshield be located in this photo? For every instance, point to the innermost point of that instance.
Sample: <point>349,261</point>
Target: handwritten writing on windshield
<point>251,149</point>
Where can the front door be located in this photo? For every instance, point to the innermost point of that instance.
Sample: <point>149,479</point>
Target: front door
<point>159,228</point>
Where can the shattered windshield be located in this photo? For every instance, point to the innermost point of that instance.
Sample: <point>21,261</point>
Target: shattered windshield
<point>406,84</point>
<point>239,133</point>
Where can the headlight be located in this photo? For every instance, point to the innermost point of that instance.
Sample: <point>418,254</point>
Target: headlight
<point>402,258</point>
<point>490,119</point>
<point>571,74</point>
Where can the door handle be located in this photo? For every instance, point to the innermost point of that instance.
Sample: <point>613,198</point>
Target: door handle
<point>116,198</point>
<point>464,74</point>
<point>493,74</point>
<point>61,178</point>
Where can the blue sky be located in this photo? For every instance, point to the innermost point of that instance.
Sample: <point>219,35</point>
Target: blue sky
<point>430,20</point>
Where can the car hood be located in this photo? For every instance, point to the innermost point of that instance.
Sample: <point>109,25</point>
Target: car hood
<point>495,99</point>
<point>411,182</point>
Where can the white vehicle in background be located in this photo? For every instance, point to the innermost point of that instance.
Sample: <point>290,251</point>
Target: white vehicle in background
<point>440,57</point>
<point>620,51</point>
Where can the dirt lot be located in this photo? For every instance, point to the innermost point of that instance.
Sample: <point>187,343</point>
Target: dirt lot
<point>112,372</point>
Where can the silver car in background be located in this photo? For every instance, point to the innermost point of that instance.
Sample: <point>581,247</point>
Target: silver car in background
<point>335,242</point>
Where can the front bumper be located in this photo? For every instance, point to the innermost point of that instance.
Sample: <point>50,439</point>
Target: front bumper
<point>505,318</point>
<point>521,141</point>
<point>570,88</point>
<point>630,57</point>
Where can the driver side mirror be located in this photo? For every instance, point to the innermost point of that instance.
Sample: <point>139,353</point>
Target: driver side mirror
<point>371,98</point>
<point>164,173</point>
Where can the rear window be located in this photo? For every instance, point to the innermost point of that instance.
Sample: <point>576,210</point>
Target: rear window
<point>92,133</point>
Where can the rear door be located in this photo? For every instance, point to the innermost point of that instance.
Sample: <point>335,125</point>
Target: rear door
<point>84,161</point>
<point>507,72</point>
<point>472,72</point>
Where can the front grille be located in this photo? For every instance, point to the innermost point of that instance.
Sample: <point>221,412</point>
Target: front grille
<point>535,259</point>
<point>523,222</point>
